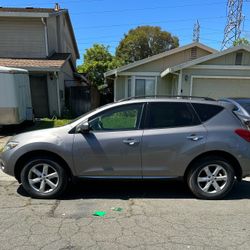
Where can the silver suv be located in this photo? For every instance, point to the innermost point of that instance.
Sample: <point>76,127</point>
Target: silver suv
<point>198,140</point>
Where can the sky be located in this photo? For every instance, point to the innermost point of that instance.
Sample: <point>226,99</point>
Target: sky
<point>106,21</point>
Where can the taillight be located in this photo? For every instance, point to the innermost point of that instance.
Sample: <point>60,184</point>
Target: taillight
<point>243,133</point>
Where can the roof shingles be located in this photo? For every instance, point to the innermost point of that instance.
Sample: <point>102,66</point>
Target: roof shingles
<point>56,61</point>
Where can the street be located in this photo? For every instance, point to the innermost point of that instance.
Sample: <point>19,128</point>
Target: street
<point>155,215</point>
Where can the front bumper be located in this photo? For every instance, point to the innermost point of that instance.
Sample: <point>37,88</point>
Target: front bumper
<point>7,162</point>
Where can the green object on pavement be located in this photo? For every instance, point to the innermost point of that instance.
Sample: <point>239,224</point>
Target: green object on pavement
<point>117,209</point>
<point>99,213</point>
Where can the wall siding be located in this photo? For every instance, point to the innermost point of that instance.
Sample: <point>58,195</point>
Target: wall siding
<point>52,35</point>
<point>229,59</point>
<point>22,38</point>
<point>168,61</point>
<point>59,37</point>
<point>166,85</point>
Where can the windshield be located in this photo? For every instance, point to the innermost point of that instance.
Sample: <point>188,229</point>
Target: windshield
<point>86,114</point>
<point>245,103</point>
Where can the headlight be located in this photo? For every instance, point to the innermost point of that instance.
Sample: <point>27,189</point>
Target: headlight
<point>10,145</point>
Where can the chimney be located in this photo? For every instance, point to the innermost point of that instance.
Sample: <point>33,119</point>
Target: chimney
<point>57,7</point>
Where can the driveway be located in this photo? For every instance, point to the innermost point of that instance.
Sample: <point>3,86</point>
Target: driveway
<point>3,140</point>
<point>155,215</point>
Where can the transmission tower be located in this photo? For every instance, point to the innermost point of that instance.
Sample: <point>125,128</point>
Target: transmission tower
<point>196,32</point>
<point>235,20</point>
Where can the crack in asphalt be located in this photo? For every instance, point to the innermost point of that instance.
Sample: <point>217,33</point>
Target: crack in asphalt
<point>143,223</point>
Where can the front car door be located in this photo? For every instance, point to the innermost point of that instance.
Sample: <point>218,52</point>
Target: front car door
<point>172,136</point>
<point>113,145</point>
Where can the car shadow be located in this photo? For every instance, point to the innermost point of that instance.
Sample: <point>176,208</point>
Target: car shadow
<point>147,189</point>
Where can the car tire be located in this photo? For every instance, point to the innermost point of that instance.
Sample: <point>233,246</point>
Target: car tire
<point>211,178</point>
<point>43,177</point>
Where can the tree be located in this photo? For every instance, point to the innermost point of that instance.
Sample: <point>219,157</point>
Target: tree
<point>145,41</point>
<point>98,60</point>
<point>241,41</point>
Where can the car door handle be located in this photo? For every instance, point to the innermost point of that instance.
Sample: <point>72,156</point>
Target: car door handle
<point>131,142</point>
<point>195,137</point>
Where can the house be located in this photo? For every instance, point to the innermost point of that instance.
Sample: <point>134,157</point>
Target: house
<point>144,77</point>
<point>222,74</point>
<point>41,41</point>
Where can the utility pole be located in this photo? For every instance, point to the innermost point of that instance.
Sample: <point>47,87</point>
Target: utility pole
<point>235,20</point>
<point>196,32</point>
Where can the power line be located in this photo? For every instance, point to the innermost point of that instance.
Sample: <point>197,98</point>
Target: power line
<point>60,2</point>
<point>181,29</point>
<point>138,24</point>
<point>148,8</point>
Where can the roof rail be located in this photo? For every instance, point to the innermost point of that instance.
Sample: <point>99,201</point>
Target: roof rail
<point>168,96</point>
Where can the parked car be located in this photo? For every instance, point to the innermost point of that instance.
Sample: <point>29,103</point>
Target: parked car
<point>241,108</point>
<point>200,141</point>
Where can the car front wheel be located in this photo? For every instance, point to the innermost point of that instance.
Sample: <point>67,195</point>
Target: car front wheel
<point>43,178</point>
<point>211,178</point>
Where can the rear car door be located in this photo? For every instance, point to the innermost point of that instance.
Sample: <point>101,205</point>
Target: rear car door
<point>173,135</point>
<point>113,145</point>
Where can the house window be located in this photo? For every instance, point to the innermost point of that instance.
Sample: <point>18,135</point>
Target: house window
<point>141,86</point>
<point>144,87</point>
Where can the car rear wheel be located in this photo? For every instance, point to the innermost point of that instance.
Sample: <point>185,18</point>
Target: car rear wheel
<point>211,178</point>
<point>43,178</point>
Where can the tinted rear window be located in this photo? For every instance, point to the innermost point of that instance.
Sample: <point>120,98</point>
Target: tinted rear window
<point>171,115</point>
<point>206,111</point>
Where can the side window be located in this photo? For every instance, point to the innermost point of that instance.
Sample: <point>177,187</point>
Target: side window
<point>206,111</point>
<point>126,117</point>
<point>171,115</point>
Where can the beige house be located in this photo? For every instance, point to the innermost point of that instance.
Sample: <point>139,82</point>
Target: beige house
<point>43,42</point>
<point>144,77</point>
<point>192,70</point>
<point>222,74</point>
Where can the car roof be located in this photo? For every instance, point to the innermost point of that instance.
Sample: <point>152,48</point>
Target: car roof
<point>191,99</point>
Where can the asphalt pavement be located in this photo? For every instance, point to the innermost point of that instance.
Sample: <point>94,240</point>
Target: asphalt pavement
<point>154,215</point>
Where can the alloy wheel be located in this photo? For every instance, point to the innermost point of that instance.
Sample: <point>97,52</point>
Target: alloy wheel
<point>43,178</point>
<point>212,178</point>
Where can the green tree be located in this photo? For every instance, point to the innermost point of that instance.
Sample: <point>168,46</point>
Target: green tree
<point>145,41</point>
<point>240,41</point>
<point>98,60</point>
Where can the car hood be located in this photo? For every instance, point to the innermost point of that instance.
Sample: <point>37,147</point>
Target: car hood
<point>47,135</point>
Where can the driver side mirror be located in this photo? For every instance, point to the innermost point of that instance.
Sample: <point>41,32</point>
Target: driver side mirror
<point>83,128</point>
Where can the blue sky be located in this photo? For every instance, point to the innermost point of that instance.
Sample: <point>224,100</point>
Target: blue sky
<point>106,21</point>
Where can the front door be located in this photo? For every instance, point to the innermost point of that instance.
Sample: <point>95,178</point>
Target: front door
<point>113,146</point>
<point>39,95</point>
<point>173,135</point>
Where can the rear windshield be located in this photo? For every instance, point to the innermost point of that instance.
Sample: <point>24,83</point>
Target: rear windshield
<point>206,111</point>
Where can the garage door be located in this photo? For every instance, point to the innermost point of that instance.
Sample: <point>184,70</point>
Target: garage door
<point>218,88</point>
<point>39,96</point>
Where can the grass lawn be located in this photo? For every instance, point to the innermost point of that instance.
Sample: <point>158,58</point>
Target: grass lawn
<point>47,123</point>
<point>39,124</point>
